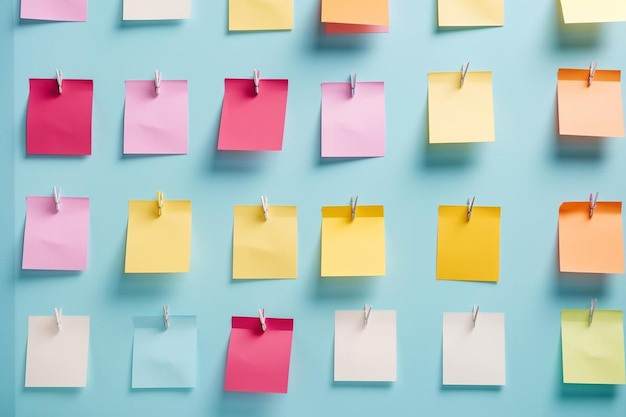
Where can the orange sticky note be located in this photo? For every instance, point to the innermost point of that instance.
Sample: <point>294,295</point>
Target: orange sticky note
<point>591,244</point>
<point>356,12</point>
<point>590,110</point>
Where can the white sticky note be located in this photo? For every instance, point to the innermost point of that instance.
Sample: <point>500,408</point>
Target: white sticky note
<point>365,353</point>
<point>473,355</point>
<point>57,358</point>
<point>156,9</point>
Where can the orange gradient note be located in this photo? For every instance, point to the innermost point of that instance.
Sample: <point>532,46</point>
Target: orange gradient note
<point>356,12</point>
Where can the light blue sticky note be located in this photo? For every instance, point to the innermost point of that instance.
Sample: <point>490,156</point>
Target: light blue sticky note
<point>165,358</point>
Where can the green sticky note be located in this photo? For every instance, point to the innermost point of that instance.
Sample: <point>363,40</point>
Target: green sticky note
<point>593,353</point>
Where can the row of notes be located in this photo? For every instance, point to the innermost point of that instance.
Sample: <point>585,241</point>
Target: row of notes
<point>365,349</point>
<point>265,238</point>
<point>353,122</point>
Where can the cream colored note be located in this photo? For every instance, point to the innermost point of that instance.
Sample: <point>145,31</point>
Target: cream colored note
<point>156,9</point>
<point>247,15</point>
<point>458,13</point>
<point>593,11</point>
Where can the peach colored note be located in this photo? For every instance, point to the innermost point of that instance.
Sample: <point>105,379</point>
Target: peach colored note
<point>359,12</point>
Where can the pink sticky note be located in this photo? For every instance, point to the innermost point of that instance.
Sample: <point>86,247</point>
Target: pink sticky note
<point>253,122</point>
<point>56,240</point>
<point>353,126</point>
<point>60,10</point>
<point>156,124</point>
<point>59,124</point>
<point>258,361</point>
<point>345,29</point>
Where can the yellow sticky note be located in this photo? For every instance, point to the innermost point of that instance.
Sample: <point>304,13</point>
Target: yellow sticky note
<point>356,12</point>
<point>593,11</point>
<point>590,110</point>
<point>246,15</point>
<point>468,250</point>
<point>460,114</point>
<point>592,353</point>
<point>591,244</point>
<point>265,248</point>
<point>353,247</point>
<point>158,243</point>
<point>459,13</point>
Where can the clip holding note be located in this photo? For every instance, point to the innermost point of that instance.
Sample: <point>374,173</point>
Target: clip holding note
<point>265,207</point>
<point>160,202</point>
<point>353,84</point>
<point>166,316</point>
<point>157,82</point>
<point>475,314</point>
<point>367,310</point>
<point>464,69</point>
<point>470,207</point>
<point>60,81</point>
<point>353,201</point>
<point>58,314</point>
<point>57,198</point>
<point>256,75</point>
<point>592,204</point>
<point>262,319</point>
<point>592,71</point>
<point>592,309</point>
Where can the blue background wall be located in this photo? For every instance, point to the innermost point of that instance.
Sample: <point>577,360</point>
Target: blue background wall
<point>528,171</point>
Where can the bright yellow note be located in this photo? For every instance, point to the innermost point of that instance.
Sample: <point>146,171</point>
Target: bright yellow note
<point>593,11</point>
<point>357,12</point>
<point>353,247</point>
<point>260,15</point>
<point>460,114</point>
<point>458,13</point>
<point>158,243</point>
<point>592,353</point>
<point>265,248</point>
<point>468,250</point>
<point>590,110</point>
<point>591,244</point>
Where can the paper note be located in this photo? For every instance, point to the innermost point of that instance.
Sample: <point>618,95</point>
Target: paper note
<point>258,361</point>
<point>468,250</point>
<point>459,13</point>
<point>592,353</point>
<point>59,124</point>
<point>371,12</point>
<point>353,247</point>
<point>265,248</point>
<point>260,15</point>
<point>59,10</point>
<point>590,110</point>
<point>158,243</point>
<point>593,11</point>
<point>591,244</point>
<point>57,358</point>
<point>365,352</point>
<point>165,358</point>
<point>156,124</point>
<point>460,114</point>
<point>156,9</point>
<point>56,240</point>
<point>263,113</point>
<point>473,354</point>
<point>353,126</point>
<point>345,29</point>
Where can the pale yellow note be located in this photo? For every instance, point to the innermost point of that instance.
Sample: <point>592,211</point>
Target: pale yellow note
<point>459,13</point>
<point>353,247</point>
<point>468,250</point>
<point>246,15</point>
<point>593,11</point>
<point>265,249</point>
<point>592,353</point>
<point>460,114</point>
<point>158,243</point>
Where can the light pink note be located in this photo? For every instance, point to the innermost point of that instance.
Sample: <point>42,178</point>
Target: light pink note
<point>56,240</point>
<point>156,124</point>
<point>353,126</point>
<point>59,10</point>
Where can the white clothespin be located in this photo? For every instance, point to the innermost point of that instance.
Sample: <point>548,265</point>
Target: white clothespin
<point>353,84</point>
<point>166,316</point>
<point>256,75</point>
<point>265,208</point>
<point>157,82</point>
<point>592,71</point>
<point>592,204</point>
<point>262,319</point>
<point>353,201</point>
<point>367,310</point>
<point>475,314</point>
<point>470,207</point>
<point>60,81</point>
<point>160,202</point>
<point>464,69</point>
<point>57,198</point>
<point>58,313</point>
<point>592,309</point>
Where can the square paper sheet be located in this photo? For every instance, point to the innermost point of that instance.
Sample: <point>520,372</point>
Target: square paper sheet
<point>59,10</point>
<point>459,13</point>
<point>593,11</point>
<point>246,15</point>
<point>156,9</point>
<point>357,12</point>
